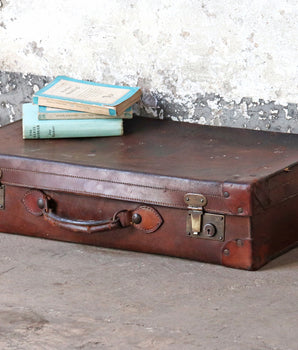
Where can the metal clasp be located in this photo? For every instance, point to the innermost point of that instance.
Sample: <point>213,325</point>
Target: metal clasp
<point>195,202</point>
<point>200,224</point>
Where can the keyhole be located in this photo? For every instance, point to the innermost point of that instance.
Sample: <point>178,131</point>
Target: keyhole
<point>210,230</point>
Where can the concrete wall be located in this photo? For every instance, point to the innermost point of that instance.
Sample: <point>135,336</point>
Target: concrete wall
<point>231,63</point>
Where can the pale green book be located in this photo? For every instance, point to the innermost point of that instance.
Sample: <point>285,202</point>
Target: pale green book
<point>33,128</point>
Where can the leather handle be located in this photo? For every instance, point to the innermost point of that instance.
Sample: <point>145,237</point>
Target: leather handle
<point>143,218</point>
<point>88,226</point>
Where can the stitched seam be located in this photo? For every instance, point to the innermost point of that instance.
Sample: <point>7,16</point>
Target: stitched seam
<point>130,199</point>
<point>97,194</point>
<point>100,194</point>
<point>26,205</point>
<point>152,228</point>
<point>103,180</point>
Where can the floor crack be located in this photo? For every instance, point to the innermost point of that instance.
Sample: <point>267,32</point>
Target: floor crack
<point>3,272</point>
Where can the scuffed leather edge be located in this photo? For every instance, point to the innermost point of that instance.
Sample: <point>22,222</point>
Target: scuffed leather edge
<point>238,254</point>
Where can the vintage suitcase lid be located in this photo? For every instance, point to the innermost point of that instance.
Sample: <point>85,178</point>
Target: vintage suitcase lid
<point>158,162</point>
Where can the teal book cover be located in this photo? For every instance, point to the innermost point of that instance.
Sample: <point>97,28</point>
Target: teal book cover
<point>86,96</point>
<point>48,113</point>
<point>33,128</point>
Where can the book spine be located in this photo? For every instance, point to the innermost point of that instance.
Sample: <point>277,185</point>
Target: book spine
<point>65,115</point>
<point>47,129</point>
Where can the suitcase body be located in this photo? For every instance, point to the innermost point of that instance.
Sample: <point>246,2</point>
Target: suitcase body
<point>219,195</point>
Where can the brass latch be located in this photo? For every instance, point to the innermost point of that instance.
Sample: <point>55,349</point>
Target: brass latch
<point>200,224</point>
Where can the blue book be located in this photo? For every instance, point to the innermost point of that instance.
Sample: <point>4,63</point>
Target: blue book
<point>33,128</point>
<point>85,96</point>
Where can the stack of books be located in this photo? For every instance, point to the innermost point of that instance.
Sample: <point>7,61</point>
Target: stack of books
<point>69,107</point>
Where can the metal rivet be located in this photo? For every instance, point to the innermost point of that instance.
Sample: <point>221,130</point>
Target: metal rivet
<point>220,238</point>
<point>202,200</point>
<point>136,218</point>
<point>1,206</point>
<point>40,203</point>
<point>226,194</point>
<point>226,252</point>
<point>240,210</point>
<point>239,242</point>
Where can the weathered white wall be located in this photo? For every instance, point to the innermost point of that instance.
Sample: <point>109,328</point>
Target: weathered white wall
<point>232,55</point>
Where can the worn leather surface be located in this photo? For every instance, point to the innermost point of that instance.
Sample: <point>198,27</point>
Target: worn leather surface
<point>167,148</point>
<point>157,162</point>
<point>138,187</point>
<point>238,253</point>
<point>169,239</point>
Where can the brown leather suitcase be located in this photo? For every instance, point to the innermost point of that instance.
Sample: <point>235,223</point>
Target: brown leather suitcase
<point>219,195</point>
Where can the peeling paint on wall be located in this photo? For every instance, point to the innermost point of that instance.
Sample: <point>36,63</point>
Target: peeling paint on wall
<point>3,3</point>
<point>16,89</point>
<point>211,109</point>
<point>208,109</point>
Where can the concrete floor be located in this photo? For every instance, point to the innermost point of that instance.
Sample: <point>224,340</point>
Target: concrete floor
<point>66,296</point>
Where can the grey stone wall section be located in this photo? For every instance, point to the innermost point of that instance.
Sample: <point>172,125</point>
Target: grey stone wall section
<point>249,114</point>
<point>212,109</point>
<point>16,89</point>
<point>209,109</point>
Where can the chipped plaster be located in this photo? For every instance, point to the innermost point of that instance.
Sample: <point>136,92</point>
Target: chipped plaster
<point>16,89</point>
<point>221,63</point>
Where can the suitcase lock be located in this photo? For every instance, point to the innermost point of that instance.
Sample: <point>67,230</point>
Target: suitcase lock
<point>200,224</point>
